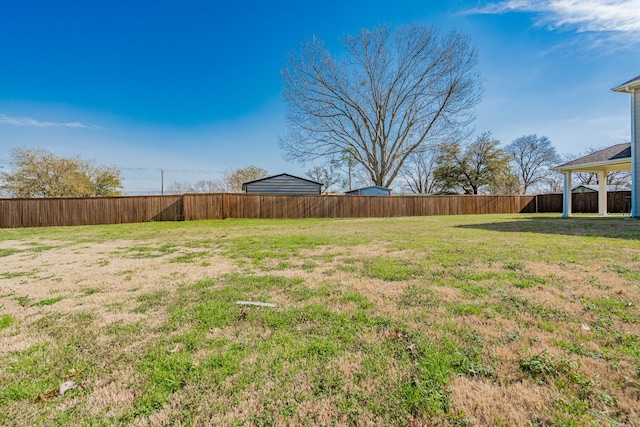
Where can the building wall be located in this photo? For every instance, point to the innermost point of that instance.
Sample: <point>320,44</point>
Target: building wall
<point>282,185</point>
<point>635,149</point>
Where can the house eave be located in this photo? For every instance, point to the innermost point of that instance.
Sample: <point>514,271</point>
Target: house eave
<point>628,86</point>
<point>609,165</point>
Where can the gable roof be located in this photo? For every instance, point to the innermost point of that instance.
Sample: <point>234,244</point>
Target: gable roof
<point>371,186</point>
<point>596,187</point>
<point>617,154</point>
<point>372,190</point>
<point>282,174</point>
<point>634,83</point>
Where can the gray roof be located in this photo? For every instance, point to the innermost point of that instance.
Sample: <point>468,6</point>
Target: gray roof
<point>371,186</point>
<point>596,187</point>
<point>282,174</point>
<point>617,152</point>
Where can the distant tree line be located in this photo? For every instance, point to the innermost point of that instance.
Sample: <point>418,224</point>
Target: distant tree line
<point>230,182</point>
<point>480,166</point>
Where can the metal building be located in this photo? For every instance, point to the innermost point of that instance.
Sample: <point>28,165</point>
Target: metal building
<point>282,184</point>
<point>370,191</point>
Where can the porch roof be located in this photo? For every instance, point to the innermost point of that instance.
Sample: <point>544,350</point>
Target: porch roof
<point>617,157</point>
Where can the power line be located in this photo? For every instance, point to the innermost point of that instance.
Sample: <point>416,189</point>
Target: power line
<point>170,170</point>
<point>163,171</point>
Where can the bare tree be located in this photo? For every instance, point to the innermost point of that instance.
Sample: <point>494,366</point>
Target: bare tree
<point>395,92</point>
<point>582,178</point>
<point>553,182</point>
<point>202,186</point>
<point>418,172</point>
<point>532,156</point>
<point>179,187</point>
<point>348,164</point>
<point>620,178</point>
<point>207,186</point>
<point>327,175</point>
<point>232,180</point>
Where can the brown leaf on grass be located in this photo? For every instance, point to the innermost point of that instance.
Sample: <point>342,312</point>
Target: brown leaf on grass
<point>177,347</point>
<point>73,372</point>
<point>46,396</point>
<point>399,334</point>
<point>413,351</point>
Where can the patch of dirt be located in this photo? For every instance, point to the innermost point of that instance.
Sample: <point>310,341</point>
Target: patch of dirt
<point>100,278</point>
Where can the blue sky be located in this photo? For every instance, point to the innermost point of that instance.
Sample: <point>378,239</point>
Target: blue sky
<point>195,86</point>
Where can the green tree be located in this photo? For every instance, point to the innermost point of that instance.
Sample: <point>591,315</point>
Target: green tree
<point>504,182</point>
<point>394,93</point>
<point>482,165</point>
<point>40,173</point>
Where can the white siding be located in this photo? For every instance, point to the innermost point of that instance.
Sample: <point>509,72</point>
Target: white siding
<point>635,149</point>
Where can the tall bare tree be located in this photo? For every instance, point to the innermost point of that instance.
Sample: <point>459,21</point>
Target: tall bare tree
<point>395,92</point>
<point>40,173</point>
<point>532,156</point>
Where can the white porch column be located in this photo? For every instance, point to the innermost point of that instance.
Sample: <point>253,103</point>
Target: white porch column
<point>566,197</point>
<point>602,193</point>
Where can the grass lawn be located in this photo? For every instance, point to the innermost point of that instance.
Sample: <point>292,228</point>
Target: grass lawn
<point>455,321</point>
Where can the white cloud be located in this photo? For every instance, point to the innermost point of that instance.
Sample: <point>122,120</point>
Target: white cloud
<point>616,17</point>
<point>28,121</point>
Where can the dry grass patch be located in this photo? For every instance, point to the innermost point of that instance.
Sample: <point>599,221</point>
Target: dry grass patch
<point>475,320</point>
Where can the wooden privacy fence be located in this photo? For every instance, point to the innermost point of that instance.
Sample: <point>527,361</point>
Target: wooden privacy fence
<point>116,210</point>
<point>617,202</point>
